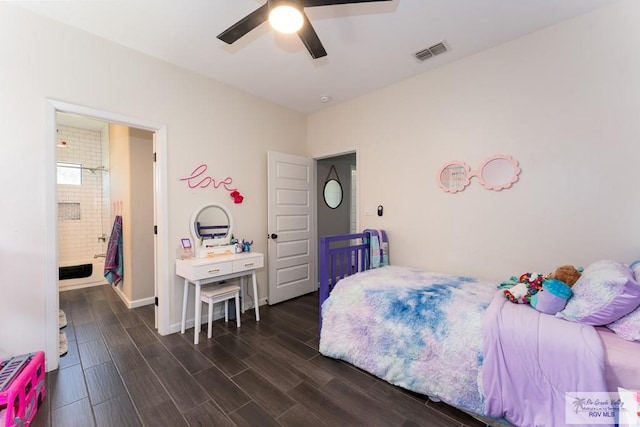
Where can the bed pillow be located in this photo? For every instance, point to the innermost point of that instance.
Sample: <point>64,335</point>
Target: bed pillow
<point>606,291</point>
<point>627,327</point>
<point>635,267</point>
<point>629,400</point>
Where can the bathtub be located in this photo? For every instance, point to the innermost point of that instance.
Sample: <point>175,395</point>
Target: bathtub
<point>96,278</point>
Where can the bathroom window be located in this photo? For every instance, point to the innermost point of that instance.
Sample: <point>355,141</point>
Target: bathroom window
<point>69,173</point>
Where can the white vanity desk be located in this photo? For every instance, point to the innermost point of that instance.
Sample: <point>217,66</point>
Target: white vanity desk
<point>200,271</point>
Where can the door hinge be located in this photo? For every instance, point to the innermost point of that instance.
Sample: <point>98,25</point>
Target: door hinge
<point>155,157</point>
<point>156,301</point>
<point>155,229</point>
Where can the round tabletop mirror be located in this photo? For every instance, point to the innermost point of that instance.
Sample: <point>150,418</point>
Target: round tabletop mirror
<point>333,193</point>
<point>212,222</point>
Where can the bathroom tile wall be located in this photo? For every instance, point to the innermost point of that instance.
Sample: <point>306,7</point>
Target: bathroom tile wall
<point>78,238</point>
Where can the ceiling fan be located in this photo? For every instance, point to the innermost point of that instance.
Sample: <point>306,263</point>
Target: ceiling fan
<point>272,10</point>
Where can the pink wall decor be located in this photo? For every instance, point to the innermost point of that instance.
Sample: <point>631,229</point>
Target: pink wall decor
<point>496,173</point>
<point>198,179</point>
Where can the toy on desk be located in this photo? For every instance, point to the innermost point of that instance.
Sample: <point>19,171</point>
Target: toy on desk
<point>246,245</point>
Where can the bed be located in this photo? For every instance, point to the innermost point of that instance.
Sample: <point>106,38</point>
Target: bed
<point>458,339</point>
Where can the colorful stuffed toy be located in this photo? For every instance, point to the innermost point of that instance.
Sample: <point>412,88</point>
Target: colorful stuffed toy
<point>567,274</point>
<point>556,289</point>
<point>553,296</point>
<point>521,290</point>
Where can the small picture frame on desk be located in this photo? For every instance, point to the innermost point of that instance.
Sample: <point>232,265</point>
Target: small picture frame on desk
<point>186,243</point>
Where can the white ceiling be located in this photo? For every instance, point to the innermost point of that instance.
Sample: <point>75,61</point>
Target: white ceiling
<point>369,45</point>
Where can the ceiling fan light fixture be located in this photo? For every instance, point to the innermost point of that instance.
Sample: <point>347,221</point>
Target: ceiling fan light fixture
<point>286,17</point>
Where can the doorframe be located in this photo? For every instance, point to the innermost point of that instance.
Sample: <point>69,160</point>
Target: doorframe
<point>52,302</point>
<point>327,155</point>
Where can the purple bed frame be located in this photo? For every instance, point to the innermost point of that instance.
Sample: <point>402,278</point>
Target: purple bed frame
<point>341,257</point>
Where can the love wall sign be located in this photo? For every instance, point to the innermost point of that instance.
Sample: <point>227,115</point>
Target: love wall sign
<point>199,179</point>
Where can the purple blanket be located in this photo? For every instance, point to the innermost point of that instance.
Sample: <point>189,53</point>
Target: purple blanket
<point>532,360</point>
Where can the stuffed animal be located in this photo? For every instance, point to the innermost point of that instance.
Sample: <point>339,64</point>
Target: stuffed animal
<point>553,296</point>
<point>556,289</point>
<point>567,274</point>
<point>526,286</point>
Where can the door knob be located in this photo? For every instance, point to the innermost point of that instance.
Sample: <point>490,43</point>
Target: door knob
<point>274,236</point>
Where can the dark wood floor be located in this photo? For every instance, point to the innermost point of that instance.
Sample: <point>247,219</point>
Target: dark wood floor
<point>120,372</point>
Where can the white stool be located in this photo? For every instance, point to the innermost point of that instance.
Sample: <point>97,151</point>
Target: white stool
<point>219,293</point>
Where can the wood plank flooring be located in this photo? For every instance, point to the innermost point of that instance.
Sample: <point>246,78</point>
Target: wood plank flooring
<point>120,372</point>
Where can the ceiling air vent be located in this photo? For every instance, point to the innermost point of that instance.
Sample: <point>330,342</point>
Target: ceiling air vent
<point>434,50</point>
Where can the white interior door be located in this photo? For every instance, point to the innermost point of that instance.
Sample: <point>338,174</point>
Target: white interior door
<point>291,226</point>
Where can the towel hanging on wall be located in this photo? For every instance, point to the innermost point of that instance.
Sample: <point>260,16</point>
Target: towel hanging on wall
<point>113,264</point>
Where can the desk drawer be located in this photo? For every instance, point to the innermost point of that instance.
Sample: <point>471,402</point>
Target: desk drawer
<point>212,270</point>
<point>248,264</point>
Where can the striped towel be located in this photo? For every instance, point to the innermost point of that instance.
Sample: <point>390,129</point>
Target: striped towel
<point>113,264</point>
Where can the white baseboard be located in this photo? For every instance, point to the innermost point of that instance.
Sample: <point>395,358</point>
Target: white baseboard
<point>135,303</point>
<point>142,302</point>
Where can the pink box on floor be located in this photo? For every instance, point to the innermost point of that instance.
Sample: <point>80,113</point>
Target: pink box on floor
<point>22,395</point>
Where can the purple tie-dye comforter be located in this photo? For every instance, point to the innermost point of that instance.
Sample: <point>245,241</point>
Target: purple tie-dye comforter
<point>418,330</point>
<point>424,332</point>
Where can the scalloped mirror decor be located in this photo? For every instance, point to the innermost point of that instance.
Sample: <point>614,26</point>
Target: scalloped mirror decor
<point>496,173</point>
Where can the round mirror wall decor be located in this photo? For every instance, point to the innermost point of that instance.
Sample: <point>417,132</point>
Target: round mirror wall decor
<point>499,172</point>
<point>332,192</point>
<point>454,176</point>
<point>496,173</point>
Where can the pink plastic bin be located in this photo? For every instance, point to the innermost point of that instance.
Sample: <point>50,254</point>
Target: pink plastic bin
<point>20,399</point>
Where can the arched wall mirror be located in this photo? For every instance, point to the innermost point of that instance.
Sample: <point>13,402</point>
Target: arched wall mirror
<point>496,173</point>
<point>211,225</point>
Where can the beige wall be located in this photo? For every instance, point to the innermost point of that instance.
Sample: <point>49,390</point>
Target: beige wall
<point>131,176</point>
<point>206,122</point>
<point>142,221</point>
<point>564,102</point>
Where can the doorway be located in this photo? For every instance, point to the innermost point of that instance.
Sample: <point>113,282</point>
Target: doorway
<point>338,217</point>
<point>104,173</point>
<point>160,208</point>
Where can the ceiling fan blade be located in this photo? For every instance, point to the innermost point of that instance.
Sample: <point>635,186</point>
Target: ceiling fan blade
<point>246,24</point>
<point>312,3</point>
<point>310,39</point>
